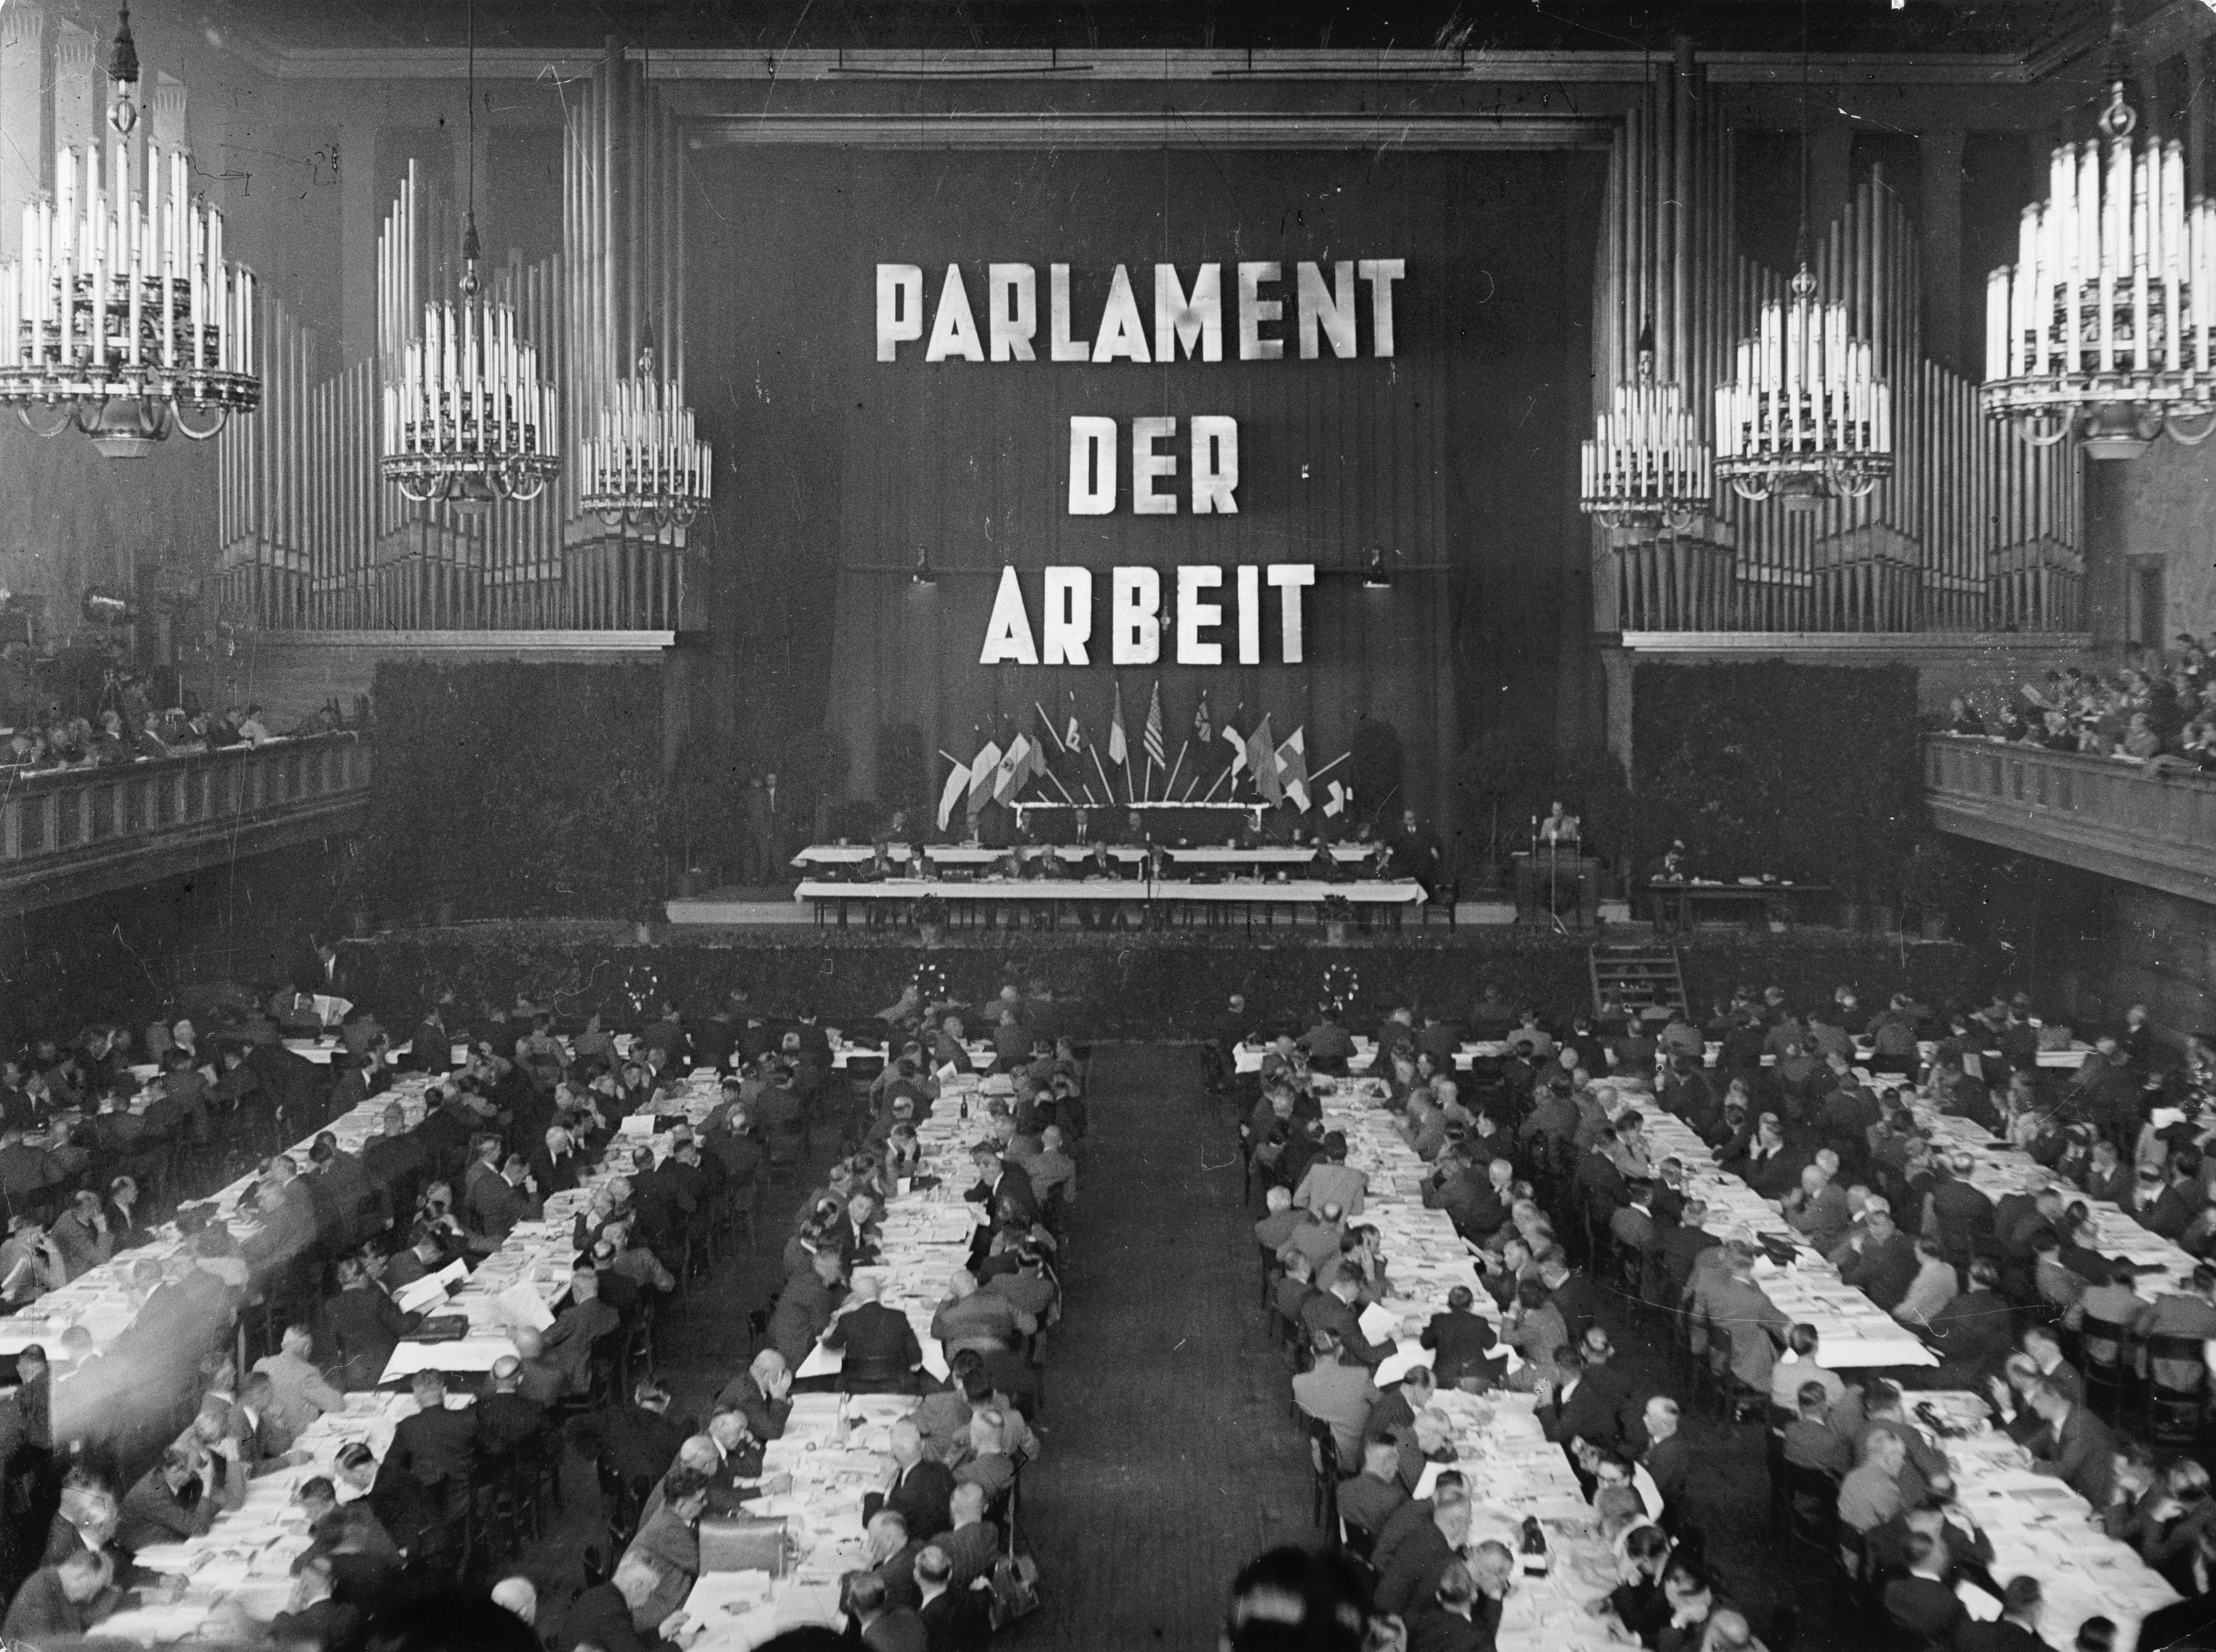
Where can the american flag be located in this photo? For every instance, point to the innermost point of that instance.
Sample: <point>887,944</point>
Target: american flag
<point>1155,755</point>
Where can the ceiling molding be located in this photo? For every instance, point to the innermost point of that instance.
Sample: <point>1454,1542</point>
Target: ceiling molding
<point>1292,131</point>
<point>1542,68</point>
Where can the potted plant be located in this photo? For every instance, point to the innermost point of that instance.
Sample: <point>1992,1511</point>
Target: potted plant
<point>929,917</point>
<point>1337,913</point>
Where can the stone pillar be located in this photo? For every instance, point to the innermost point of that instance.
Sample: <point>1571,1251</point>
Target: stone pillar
<point>23,144</point>
<point>1940,153</point>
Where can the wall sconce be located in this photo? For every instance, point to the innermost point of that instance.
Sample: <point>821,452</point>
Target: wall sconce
<point>923,574</point>
<point>1378,578</point>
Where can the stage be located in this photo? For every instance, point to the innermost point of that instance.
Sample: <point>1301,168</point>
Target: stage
<point>1118,984</point>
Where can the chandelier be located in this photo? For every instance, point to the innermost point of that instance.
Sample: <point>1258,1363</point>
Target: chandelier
<point>120,316</point>
<point>2100,329</point>
<point>1646,466</point>
<point>644,467</point>
<point>470,422</point>
<point>1805,418</point>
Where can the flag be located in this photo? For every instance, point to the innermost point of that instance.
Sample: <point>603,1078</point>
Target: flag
<point>1036,766</point>
<point>1293,768</point>
<point>1204,728</point>
<point>1238,751</point>
<point>958,786</point>
<point>1013,770</point>
<point>1119,750</point>
<point>1341,796</point>
<point>982,773</point>
<point>1153,737</point>
<point>1262,758</point>
<point>1074,739</point>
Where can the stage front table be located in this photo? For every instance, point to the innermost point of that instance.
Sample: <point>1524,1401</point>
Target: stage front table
<point>1393,894</point>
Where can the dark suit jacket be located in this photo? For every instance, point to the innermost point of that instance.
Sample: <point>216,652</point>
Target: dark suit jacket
<point>636,1443</point>
<point>1459,1340</point>
<point>1577,1301</point>
<point>764,1416</point>
<point>2000,1636</point>
<point>1920,1607</point>
<point>600,1616</point>
<point>505,1421</point>
<point>2083,1453</point>
<point>1414,1575</point>
<point>957,1621</point>
<point>1594,1412</point>
<point>1324,1311</point>
<point>361,1328</point>
<point>436,1446</point>
<point>921,1497</point>
<point>876,1336</point>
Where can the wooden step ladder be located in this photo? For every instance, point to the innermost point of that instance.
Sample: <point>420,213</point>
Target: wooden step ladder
<point>1639,976</point>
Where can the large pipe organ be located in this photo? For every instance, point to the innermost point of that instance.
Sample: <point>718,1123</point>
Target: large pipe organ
<point>1976,531</point>
<point>312,539</point>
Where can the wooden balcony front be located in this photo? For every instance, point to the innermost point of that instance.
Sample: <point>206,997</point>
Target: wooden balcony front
<point>68,834</point>
<point>2149,824</point>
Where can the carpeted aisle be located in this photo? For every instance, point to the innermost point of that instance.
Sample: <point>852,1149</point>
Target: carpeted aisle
<point>1168,1460</point>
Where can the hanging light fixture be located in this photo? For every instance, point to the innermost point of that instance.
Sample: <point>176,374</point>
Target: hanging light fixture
<point>1805,418</point>
<point>1646,466</point>
<point>2101,328</point>
<point>644,467</point>
<point>470,422</point>
<point>120,316</point>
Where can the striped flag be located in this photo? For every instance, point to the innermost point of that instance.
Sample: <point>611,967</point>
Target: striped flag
<point>1203,726</point>
<point>1119,750</point>
<point>982,772</point>
<point>1262,758</point>
<point>1153,737</point>
<point>1014,769</point>
<point>957,786</point>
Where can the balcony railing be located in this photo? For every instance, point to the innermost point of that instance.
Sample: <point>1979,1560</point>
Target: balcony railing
<point>2154,825</point>
<point>68,834</point>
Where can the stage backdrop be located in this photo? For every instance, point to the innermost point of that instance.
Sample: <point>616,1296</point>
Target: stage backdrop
<point>1456,458</point>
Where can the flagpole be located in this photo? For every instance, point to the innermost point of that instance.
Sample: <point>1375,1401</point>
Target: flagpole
<point>1047,723</point>
<point>1105,781</point>
<point>1327,768</point>
<point>1170,783</point>
<point>1212,785</point>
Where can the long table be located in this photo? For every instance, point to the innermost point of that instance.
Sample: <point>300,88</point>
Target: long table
<point>1214,901</point>
<point>1855,1332</point>
<point>1514,1470</point>
<point>852,854</point>
<point>2038,1526</point>
<point>837,1447</point>
<point>1766,899</point>
<point>1248,1056</point>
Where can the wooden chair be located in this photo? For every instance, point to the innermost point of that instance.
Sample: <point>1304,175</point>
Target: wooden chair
<point>2103,1350</point>
<point>2177,1389</point>
<point>1323,1466</point>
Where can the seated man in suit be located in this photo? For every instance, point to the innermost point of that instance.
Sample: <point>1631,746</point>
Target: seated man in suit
<point>882,1352</point>
<point>435,1448</point>
<point>1460,1337</point>
<point>1923,1606</point>
<point>954,1616</point>
<point>361,1328</point>
<point>567,1344</point>
<point>505,1416</point>
<point>921,1488</point>
<point>1590,1402</point>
